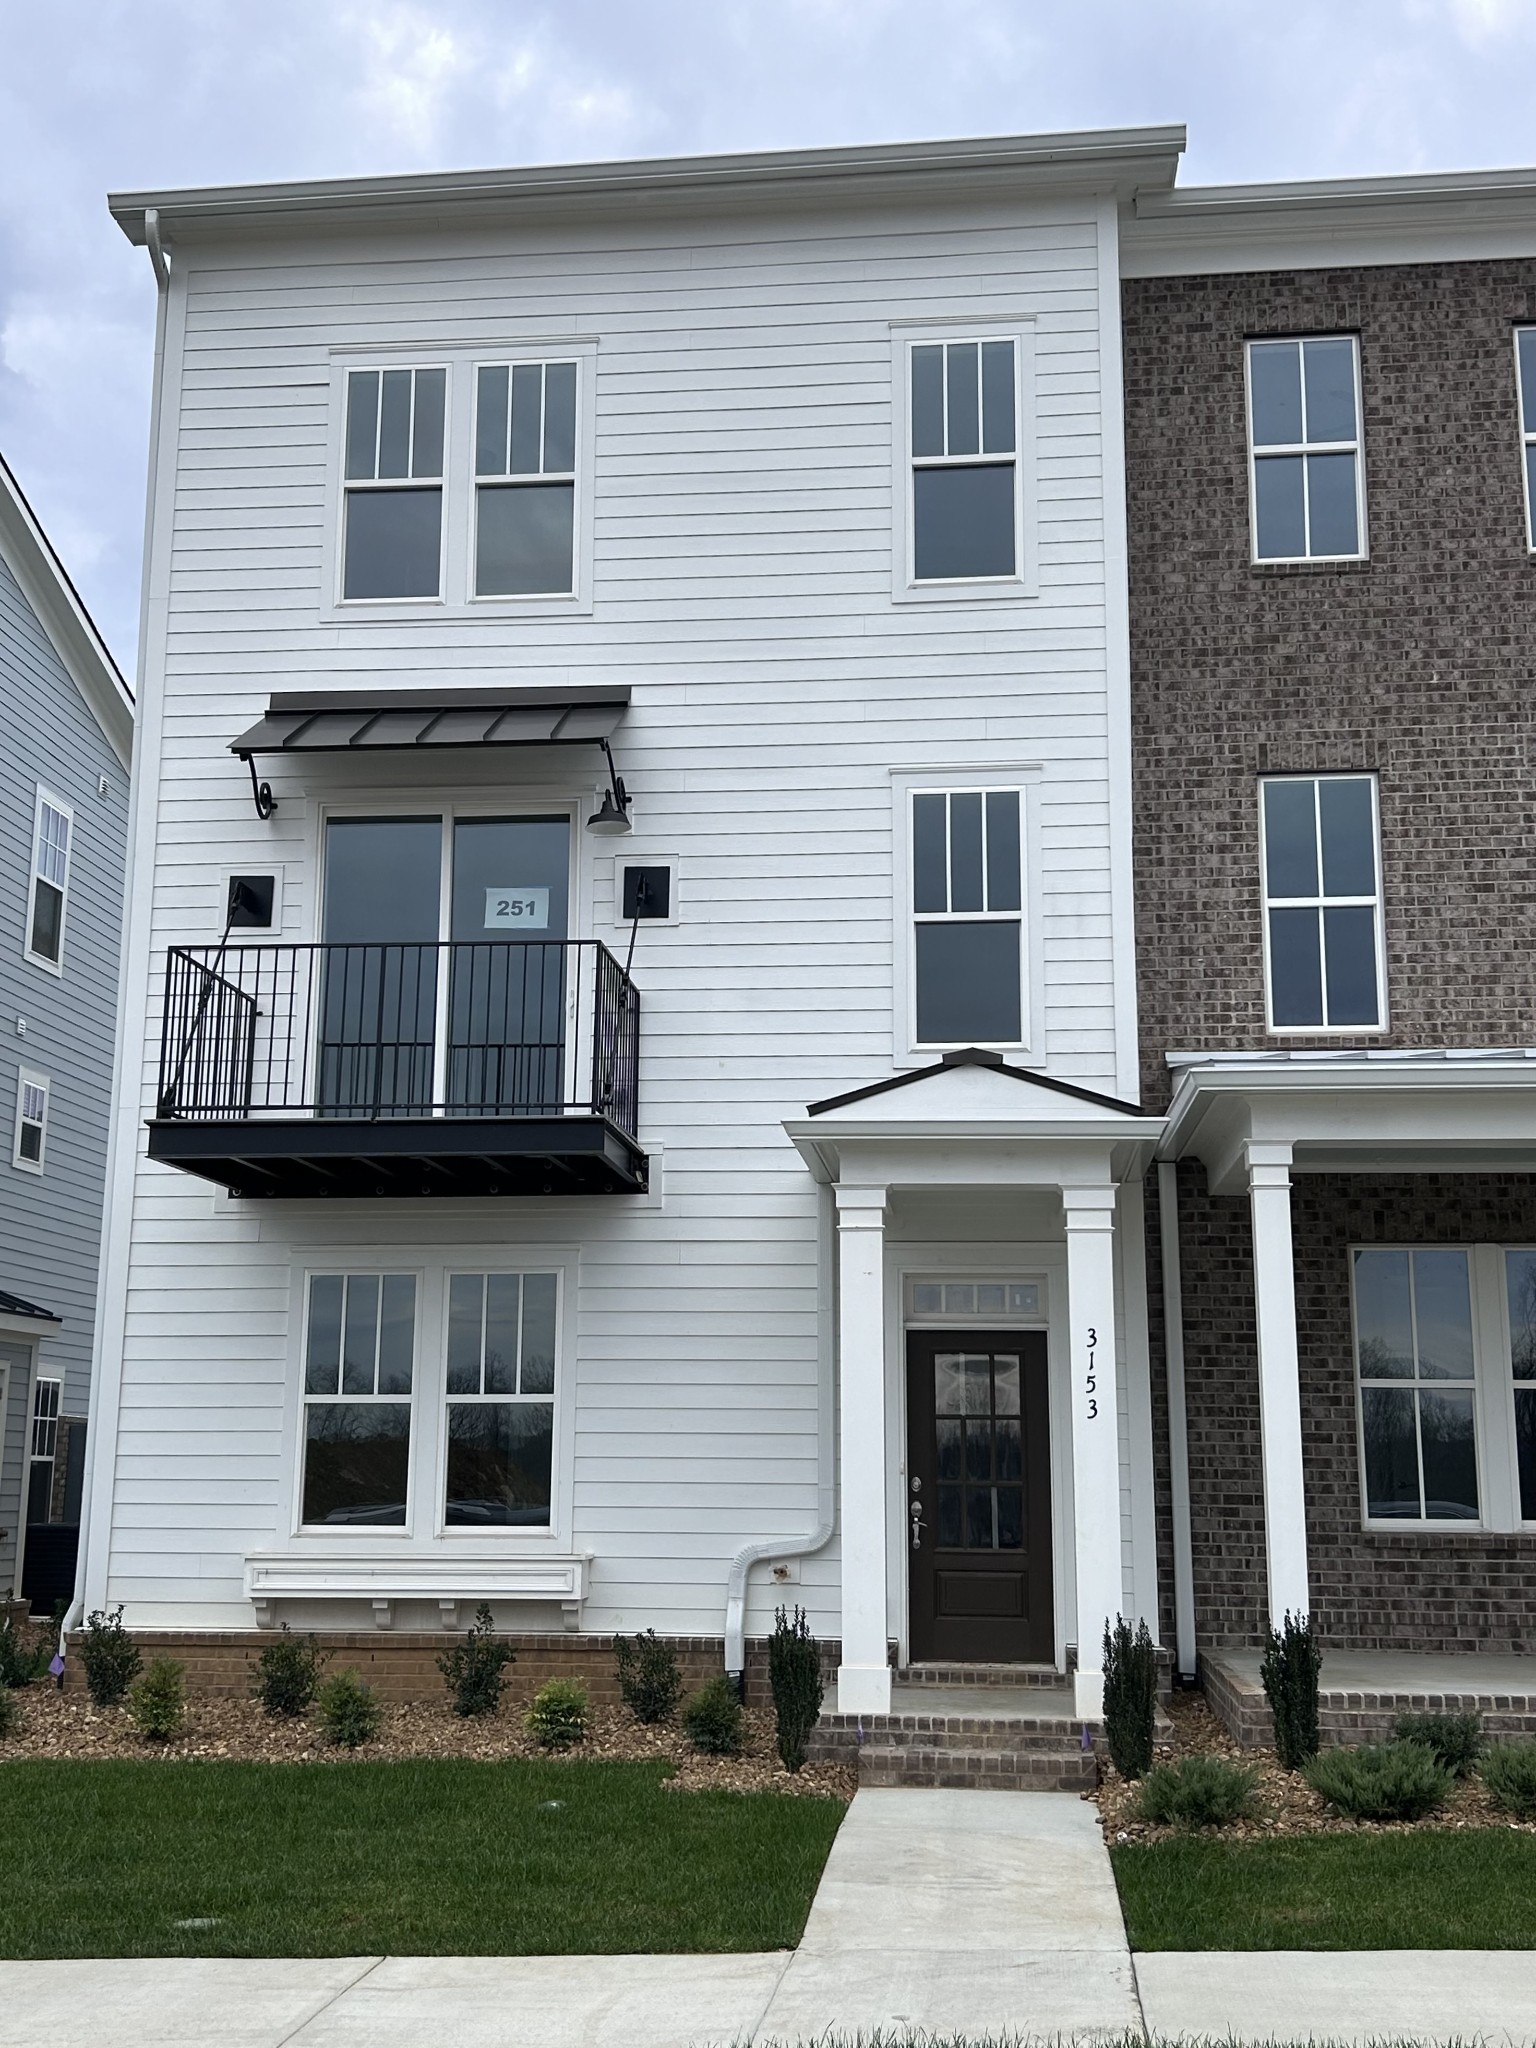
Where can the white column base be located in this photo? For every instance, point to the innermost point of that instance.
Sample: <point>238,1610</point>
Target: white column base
<point>1088,1695</point>
<point>863,1689</point>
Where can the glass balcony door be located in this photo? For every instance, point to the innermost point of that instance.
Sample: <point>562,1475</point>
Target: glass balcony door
<point>444,981</point>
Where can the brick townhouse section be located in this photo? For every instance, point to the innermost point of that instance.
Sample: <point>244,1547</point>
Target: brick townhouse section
<point>1331,589</point>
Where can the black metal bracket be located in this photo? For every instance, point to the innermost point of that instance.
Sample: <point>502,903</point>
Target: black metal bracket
<point>266,802</point>
<point>615,779</point>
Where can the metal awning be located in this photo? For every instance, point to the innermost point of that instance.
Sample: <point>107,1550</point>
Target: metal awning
<point>352,722</point>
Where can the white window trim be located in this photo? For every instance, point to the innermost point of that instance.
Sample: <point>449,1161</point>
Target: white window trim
<point>579,478</point>
<point>1527,441</point>
<point>907,1050</point>
<point>34,1455</point>
<point>1493,1406</point>
<point>1025,582</point>
<point>1304,448</point>
<point>456,599</point>
<point>424,1533</point>
<point>366,1265</point>
<point>67,812</point>
<point>348,607</point>
<point>30,1077</point>
<point>1377,902</point>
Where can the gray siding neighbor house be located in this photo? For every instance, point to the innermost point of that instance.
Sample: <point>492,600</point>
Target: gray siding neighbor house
<point>68,720</point>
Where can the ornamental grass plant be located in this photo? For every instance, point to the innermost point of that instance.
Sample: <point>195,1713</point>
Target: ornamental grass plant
<point>1198,1792</point>
<point>1381,1781</point>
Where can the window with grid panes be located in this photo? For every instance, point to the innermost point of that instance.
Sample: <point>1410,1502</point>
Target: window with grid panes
<point>1304,437</point>
<point>501,1399</point>
<point>964,460</point>
<point>359,1359</point>
<point>967,917</point>
<point>978,1430</point>
<point>1417,1382</point>
<point>525,479</point>
<point>1525,377</point>
<point>393,484</point>
<point>50,880</point>
<point>1322,902</point>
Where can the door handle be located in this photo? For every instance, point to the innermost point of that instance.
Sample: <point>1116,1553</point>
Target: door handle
<point>917,1524</point>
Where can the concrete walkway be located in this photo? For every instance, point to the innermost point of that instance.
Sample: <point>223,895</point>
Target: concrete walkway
<point>958,1914</point>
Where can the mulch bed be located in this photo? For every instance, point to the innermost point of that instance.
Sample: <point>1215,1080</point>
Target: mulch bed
<point>64,1726</point>
<point>1285,1804</point>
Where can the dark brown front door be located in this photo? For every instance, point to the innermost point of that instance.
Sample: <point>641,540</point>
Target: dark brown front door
<point>979,1496</point>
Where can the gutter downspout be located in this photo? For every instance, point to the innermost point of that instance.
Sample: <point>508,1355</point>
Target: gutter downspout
<point>1178,1423</point>
<point>160,263</point>
<point>826,1480</point>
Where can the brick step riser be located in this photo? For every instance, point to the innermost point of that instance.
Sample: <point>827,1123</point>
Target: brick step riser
<point>974,1741</point>
<point>945,1768</point>
<point>980,1676</point>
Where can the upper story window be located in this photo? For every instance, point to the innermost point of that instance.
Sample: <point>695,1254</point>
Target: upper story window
<point>30,1140</point>
<point>1320,848</point>
<point>393,514</point>
<point>965,511</point>
<point>1307,475</point>
<point>44,1449</point>
<point>967,917</point>
<point>525,480</point>
<point>52,830</point>
<point>1525,372</point>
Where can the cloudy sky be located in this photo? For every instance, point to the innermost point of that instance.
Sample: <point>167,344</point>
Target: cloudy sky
<point>102,94</point>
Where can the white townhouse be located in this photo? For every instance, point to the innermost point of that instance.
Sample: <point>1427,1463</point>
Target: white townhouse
<point>628,1101</point>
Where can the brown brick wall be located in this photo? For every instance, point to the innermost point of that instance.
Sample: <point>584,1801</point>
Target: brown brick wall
<point>1417,664</point>
<point>1370,1590</point>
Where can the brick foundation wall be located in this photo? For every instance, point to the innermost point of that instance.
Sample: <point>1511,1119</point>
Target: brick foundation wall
<point>403,1665</point>
<point>1398,1590</point>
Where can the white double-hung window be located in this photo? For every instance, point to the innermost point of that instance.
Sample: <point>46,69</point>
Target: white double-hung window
<point>30,1139</point>
<point>967,911</point>
<point>1323,951</point>
<point>52,829</point>
<point>1306,469</point>
<point>525,479</point>
<point>499,1467</point>
<point>1525,377</point>
<point>392,539</point>
<point>964,462</point>
<point>359,1363</point>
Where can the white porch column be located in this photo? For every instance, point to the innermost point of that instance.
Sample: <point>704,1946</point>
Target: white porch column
<point>864,1675</point>
<point>1090,1218</point>
<point>1274,1301</point>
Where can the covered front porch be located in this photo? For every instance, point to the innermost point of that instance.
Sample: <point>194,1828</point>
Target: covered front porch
<point>995,1451</point>
<point>1350,1295</point>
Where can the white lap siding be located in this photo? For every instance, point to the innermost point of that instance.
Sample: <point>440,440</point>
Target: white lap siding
<point>742,591</point>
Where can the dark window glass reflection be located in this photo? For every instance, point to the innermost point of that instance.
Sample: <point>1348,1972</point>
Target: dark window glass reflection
<point>526,540</point>
<point>356,1456</point>
<point>499,1463</point>
<point>1391,1453</point>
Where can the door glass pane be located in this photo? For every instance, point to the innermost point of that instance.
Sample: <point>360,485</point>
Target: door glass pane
<point>947,1433</point>
<point>1520,1280</point>
<point>1010,1518</point>
<point>1391,1457</point>
<point>978,1518</point>
<point>978,1451</point>
<point>379,984</point>
<point>1450,1453</point>
<point>1010,1450</point>
<point>1442,1299</point>
<point>978,1386</point>
<point>951,1520</point>
<point>506,1033</point>
<point>1383,1315</point>
<point>949,1384</point>
<point>1005,1381</point>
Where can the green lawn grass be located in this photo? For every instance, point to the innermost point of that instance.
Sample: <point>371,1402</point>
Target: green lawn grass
<point>421,1858</point>
<point>1474,1888</point>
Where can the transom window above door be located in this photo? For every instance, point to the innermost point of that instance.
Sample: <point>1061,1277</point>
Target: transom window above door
<point>967,899</point>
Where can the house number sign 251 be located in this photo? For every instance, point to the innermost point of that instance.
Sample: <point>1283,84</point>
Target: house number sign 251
<point>1091,1378</point>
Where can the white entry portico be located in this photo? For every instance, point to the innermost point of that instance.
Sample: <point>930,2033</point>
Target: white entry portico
<point>1011,1152</point>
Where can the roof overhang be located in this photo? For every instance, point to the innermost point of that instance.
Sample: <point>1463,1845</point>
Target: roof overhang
<point>1118,161</point>
<point>352,721</point>
<point>974,1121</point>
<point>20,1318</point>
<point>1380,1112</point>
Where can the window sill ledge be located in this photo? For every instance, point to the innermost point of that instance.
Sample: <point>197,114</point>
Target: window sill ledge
<point>449,1577</point>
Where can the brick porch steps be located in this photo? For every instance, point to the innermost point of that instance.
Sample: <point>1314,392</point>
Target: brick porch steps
<point>990,1676</point>
<point>999,1727</point>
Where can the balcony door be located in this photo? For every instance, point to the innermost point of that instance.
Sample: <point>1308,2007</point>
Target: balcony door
<point>443,982</point>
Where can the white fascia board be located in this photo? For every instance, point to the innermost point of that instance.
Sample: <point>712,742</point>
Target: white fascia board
<point>1455,216</point>
<point>28,1326</point>
<point>44,581</point>
<point>925,1152</point>
<point>1118,160</point>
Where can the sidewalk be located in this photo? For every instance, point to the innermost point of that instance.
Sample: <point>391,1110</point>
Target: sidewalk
<point>962,1914</point>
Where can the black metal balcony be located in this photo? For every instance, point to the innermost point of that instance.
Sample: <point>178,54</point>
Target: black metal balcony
<point>478,1067</point>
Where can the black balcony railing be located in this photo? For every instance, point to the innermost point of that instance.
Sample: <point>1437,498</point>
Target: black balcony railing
<point>482,1028</point>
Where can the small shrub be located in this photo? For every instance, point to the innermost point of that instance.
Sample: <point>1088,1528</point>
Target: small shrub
<point>349,1713</point>
<point>288,1674</point>
<point>1381,1781</point>
<point>1197,1792</point>
<point>558,1717</point>
<point>794,1673</point>
<point>24,1655</point>
<point>713,1719</point>
<point>157,1703</point>
<point>1293,1658</point>
<point>1509,1772</point>
<point>110,1656</point>
<point>650,1683</point>
<point>10,1713</point>
<point>474,1669</point>
<point>1455,1739</point>
<point>1130,1696</point>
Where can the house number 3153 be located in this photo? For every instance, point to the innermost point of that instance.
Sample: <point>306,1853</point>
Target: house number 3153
<point>1091,1378</point>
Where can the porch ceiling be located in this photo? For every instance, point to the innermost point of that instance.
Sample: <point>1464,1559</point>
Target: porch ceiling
<point>1371,1112</point>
